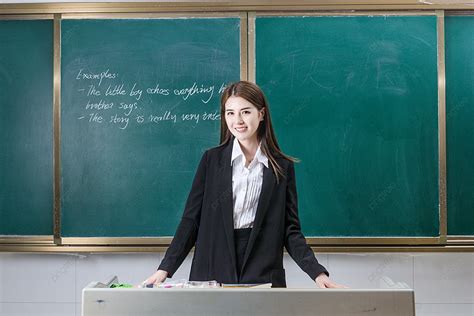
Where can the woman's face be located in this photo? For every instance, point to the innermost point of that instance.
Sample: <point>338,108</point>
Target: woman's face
<point>242,118</point>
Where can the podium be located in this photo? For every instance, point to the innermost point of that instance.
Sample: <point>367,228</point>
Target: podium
<point>246,301</point>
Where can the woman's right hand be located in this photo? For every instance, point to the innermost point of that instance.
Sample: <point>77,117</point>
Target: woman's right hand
<point>157,277</point>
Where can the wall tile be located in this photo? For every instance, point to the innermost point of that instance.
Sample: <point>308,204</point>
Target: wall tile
<point>37,309</point>
<point>444,278</point>
<point>372,271</point>
<point>36,278</point>
<point>444,309</point>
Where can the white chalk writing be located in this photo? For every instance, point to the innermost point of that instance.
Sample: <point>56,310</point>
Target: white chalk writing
<point>124,104</point>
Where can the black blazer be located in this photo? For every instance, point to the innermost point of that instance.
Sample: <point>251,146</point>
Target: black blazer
<point>207,224</point>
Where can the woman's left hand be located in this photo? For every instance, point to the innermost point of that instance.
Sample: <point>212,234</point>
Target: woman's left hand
<point>324,282</point>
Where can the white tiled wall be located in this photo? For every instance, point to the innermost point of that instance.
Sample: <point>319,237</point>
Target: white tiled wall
<point>51,284</point>
<point>39,309</point>
<point>445,279</point>
<point>444,309</point>
<point>370,271</point>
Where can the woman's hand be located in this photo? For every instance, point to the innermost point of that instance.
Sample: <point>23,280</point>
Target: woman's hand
<point>156,278</point>
<point>324,282</point>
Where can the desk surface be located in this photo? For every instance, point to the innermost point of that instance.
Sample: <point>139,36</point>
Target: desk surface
<point>354,302</point>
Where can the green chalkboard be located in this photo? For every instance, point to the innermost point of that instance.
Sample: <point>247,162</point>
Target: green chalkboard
<point>459,123</point>
<point>140,104</point>
<point>26,142</point>
<point>355,98</point>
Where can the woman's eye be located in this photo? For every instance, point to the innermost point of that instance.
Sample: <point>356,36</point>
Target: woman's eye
<point>230,113</point>
<point>246,112</point>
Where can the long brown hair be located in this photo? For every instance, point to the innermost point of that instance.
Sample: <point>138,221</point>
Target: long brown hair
<point>265,134</point>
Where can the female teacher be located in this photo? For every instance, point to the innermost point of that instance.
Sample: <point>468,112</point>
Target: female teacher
<point>242,209</point>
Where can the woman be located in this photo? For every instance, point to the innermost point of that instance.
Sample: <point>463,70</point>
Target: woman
<point>242,208</point>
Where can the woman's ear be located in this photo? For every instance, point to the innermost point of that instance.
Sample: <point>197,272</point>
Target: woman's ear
<point>262,114</point>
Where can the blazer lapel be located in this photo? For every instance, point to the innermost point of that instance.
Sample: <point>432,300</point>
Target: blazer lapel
<point>262,207</point>
<point>226,201</point>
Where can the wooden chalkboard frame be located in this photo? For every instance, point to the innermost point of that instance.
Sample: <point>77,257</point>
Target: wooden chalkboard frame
<point>239,5</point>
<point>243,75</point>
<point>442,238</point>
<point>459,239</point>
<point>31,239</point>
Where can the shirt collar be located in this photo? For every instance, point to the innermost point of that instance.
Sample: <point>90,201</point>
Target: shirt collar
<point>237,152</point>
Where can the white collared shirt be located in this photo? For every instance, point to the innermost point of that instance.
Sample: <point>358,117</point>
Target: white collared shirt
<point>246,185</point>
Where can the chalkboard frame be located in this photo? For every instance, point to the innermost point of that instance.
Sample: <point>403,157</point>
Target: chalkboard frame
<point>387,241</point>
<point>453,239</point>
<point>46,11</point>
<point>29,239</point>
<point>163,240</point>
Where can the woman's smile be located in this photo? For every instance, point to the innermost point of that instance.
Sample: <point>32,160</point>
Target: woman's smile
<point>241,129</point>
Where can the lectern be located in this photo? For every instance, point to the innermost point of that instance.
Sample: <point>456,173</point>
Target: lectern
<point>246,301</point>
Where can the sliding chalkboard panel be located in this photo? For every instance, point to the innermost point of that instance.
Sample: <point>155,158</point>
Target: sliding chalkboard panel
<point>140,104</point>
<point>26,132</point>
<point>355,98</point>
<point>459,123</point>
